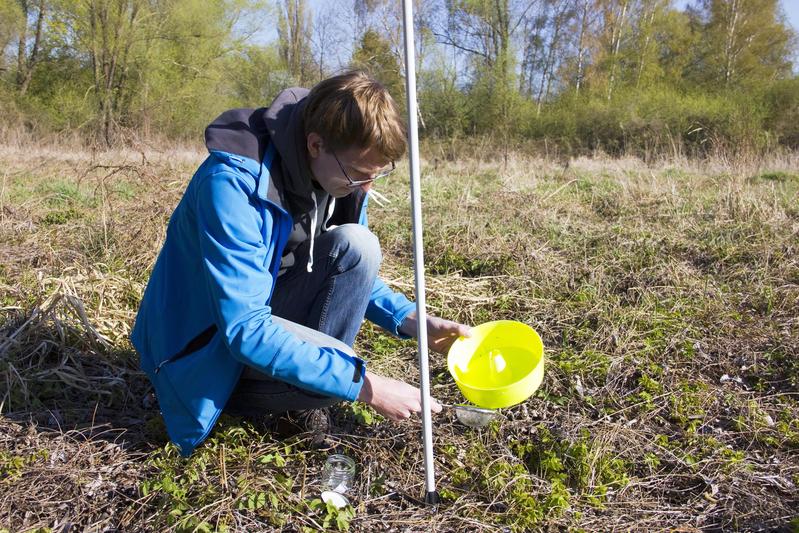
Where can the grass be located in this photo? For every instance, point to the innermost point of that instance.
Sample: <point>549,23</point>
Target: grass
<point>666,296</point>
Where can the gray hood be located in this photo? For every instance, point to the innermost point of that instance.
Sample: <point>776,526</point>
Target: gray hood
<point>247,132</point>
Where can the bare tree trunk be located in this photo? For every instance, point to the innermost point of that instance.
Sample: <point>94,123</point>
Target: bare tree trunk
<point>540,93</point>
<point>729,45</point>
<point>26,63</point>
<point>503,19</point>
<point>615,45</point>
<point>533,46</point>
<point>110,31</point>
<point>119,85</point>
<point>22,53</point>
<point>294,27</point>
<point>647,39</point>
<point>549,67</point>
<point>581,47</point>
<point>545,70</point>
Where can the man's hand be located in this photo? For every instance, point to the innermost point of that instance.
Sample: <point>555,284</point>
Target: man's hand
<point>392,398</point>
<point>440,333</point>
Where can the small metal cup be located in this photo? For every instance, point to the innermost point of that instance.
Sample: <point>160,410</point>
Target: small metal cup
<point>474,417</point>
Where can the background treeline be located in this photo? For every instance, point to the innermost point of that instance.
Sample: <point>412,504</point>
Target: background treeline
<point>646,77</point>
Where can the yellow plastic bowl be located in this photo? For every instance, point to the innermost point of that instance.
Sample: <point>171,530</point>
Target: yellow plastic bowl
<point>500,365</point>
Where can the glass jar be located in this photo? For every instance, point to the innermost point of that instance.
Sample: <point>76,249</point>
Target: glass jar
<point>338,473</point>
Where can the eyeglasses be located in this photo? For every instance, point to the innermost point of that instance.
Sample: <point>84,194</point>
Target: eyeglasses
<point>357,183</point>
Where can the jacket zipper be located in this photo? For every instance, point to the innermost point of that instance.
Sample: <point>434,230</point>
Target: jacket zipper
<point>197,343</point>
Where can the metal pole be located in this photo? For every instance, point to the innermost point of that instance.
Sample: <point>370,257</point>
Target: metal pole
<point>431,496</point>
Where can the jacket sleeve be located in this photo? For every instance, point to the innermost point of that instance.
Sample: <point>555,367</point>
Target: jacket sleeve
<point>386,308</point>
<point>237,242</point>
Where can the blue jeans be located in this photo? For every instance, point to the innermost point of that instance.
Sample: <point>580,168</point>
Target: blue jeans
<point>325,307</point>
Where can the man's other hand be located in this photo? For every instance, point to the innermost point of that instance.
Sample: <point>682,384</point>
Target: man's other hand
<point>441,333</point>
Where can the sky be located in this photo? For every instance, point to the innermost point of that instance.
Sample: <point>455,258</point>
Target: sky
<point>791,8</point>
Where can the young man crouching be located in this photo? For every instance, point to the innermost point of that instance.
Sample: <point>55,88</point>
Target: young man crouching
<point>268,267</point>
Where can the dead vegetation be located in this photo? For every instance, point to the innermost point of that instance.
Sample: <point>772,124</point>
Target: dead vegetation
<point>666,296</point>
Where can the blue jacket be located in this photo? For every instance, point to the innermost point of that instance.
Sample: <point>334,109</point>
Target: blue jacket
<point>205,312</point>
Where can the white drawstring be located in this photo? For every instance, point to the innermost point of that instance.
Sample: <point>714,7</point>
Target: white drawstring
<point>331,206</point>
<point>314,216</point>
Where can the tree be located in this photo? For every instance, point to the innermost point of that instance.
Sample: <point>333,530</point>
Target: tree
<point>375,56</point>
<point>676,42</point>
<point>614,14</point>
<point>188,67</point>
<point>483,29</point>
<point>441,101</point>
<point>645,24</point>
<point>745,43</point>
<point>294,30</point>
<point>534,37</point>
<point>386,18</point>
<point>260,75</point>
<point>141,63</point>
<point>29,45</point>
<point>556,14</point>
<point>584,23</point>
<point>108,33</point>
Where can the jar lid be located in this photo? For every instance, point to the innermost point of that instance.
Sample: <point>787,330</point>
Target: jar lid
<point>339,500</point>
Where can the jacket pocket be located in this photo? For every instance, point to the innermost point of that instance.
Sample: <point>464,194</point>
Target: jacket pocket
<point>197,343</point>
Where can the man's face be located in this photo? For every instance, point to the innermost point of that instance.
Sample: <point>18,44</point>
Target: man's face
<point>336,171</point>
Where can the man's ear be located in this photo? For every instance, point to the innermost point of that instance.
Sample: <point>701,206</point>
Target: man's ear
<point>315,144</point>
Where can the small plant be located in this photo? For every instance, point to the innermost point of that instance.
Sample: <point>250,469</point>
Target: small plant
<point>61,216</point>
<point>331,515</point>
<point>688,404</point>
<point>364,415</point>
<point>591,364</point>
<point>252,501</point>
<point>12,466</point>
<point>649,388</point>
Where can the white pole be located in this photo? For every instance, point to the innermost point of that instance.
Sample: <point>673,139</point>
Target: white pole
<point>431,496</point>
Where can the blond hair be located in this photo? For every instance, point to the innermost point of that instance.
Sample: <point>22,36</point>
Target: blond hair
<point>355,110</point>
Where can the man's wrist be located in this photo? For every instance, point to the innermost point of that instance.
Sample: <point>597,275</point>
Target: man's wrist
<point>367,392</point>
<point>408,326</point>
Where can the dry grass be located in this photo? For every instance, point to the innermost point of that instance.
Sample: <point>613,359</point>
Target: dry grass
<point>666,295</point>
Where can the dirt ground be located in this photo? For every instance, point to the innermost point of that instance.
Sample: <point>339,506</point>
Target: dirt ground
<point>667,297</point>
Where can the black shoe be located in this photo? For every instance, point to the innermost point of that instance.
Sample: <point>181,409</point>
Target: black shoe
<point>315,422</point>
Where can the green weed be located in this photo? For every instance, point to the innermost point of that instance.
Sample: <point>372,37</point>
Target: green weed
<point>648,389</point>
<point>12,466</point>
<point>777,175</point>
<point>331,515</point>
<point>450,261</point>
<point>58,193</point>
<point>362,413</point>
<point>575,465</point>
<point>61,216</point>
<point>688,404</point>
<point>592,365</point>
